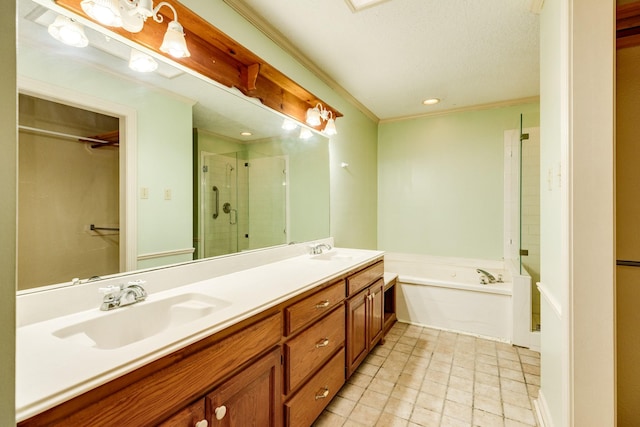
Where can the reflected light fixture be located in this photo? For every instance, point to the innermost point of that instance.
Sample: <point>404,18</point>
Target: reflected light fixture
<point>141,62</point>
<point>305,133</point>
<point>317,114</point>
<point>132,14</point>
<point>68,32</point>
<point>289,124</point>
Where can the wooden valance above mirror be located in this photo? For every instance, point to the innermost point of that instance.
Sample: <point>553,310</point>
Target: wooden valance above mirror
<point>628,25</point>
<point>220,58</point>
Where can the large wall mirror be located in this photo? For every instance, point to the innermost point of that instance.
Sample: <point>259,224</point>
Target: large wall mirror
<point>123,170</point>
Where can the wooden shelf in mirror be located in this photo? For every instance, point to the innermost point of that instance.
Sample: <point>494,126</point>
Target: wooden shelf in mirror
<point>628,25</point>
<point>220,58</point>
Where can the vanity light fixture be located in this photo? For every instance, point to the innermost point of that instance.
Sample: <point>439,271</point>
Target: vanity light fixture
<point>317,114</point>
<point>131,15</point>
<point>68,32</point>
<point>141,62</point>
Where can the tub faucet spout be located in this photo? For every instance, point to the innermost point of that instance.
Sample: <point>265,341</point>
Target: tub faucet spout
<point>489,276</point>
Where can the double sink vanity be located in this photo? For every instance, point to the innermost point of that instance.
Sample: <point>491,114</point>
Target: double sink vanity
<point>264,338</point>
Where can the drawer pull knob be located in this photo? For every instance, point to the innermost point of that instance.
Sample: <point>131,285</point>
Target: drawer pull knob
<point>220,412</point>
<point>323,394</point>
<point>202,423</point>
<point>323,304</point>
<point>322,343</point>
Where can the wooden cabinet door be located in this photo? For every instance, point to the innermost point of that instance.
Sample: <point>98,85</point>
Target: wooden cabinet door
<point>376,312</point>
<point>188,417</point>
<point>357,324</point>
<point>250,398</point>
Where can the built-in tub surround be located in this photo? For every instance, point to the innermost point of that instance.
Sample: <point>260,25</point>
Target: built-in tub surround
<point>53,368</point>
<point>446,293</point>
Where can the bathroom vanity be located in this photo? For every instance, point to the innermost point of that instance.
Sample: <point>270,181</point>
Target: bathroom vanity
<point>286,337</point>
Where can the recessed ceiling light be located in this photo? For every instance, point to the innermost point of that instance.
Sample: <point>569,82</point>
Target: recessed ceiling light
<point>246,133</point>
<point>431,101</point>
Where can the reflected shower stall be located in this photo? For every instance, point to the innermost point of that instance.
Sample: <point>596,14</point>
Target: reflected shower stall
<point>243,202</point>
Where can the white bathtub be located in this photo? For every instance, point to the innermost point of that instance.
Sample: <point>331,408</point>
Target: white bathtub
<point>446,293</point>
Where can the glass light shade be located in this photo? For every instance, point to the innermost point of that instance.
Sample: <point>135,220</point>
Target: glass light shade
<point>174,43</point>
<point>141,62</point>
<point>105,12</point>
<point>305,133</point>
<point>289,124</point>
<point>68,32</point>
<point>330,128</point>
<point>313,116</point>
<point>145,7</point>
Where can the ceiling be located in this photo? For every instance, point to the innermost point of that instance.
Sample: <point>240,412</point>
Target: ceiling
<point>390,55</point>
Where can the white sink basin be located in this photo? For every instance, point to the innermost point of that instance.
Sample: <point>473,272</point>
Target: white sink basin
<point>334,256</point>
<point>126,325</point>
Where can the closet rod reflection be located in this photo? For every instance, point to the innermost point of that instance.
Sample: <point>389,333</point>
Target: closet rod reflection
<point>627,263</point>
<point>60,134</point>
<point>94,228</point>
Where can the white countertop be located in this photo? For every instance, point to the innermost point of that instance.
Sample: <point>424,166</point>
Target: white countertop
<point>51,370</point>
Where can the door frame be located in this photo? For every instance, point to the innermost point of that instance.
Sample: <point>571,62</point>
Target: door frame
<point>127,157</point>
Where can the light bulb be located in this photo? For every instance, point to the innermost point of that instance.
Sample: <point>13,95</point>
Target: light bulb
<point>105,12</point>
<point>142,62</point>
<point>313,116</point>
<point>305,133</point>
<point>330,128</point>
<point>68,32</point>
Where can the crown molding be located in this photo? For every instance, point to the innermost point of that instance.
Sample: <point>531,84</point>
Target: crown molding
<point>285,44</point>
<point>488,106</point>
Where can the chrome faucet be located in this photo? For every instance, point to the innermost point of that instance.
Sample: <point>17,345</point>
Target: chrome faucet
<point>120,295</point>
<point>317,248</point>
<point>488,275</point>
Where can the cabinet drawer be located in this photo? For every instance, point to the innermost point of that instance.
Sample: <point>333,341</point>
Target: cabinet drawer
<point>311,348</point>
<point>308,403</point>
<point>313,307</point>
<point>363,278</point>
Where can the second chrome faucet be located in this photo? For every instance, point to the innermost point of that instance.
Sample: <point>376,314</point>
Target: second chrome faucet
<point>121,295</point>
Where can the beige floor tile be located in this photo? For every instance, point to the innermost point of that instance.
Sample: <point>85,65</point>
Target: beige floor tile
<point>453,422</point>
<point>374,360</point>
<point>464,384</point>
<point>440,366</point>
<point>405,393</point>
<point>462,372</point>
<point>381,385</point>
<point>389,420</point>
<point>341,406</point>
<point>351,391</point>
<point>486,391</point>
<point>374,399</point>
<point>511,364</point>
<point>360,380</point>
<point>464,397</point>
<point>418,362</point>
<point>388,374</point>
<point>519,414</point>
<point>513,423</point>
<point>535,361</point>
<point>508,354</point>
<point>434,388</point>
<point>532,379</point>
<point>532,390</point>
<point>530,369</point>
<point>488,379</point>
<point>399,408</point>
<point>429,401</point>
<point>491,405</point>
<point>457,410</point>
<point>515,386</point>
<point>517,399</point>
<point>381,350</point>
<point>409,340</point>
<point>425,417</point>
<point>437,376</point>
<point>329,419</point>
<point>486,419</point>
<point>364,414</point>
<point>404,348</point>
<point>486,358</point>
<point>368,369</point>
<point>352,423</point>
<point>487,368</point>
<point>512,374</point>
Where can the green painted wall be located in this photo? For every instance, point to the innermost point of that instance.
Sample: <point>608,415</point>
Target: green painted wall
<point>440,182</point>
<point>8,191</point>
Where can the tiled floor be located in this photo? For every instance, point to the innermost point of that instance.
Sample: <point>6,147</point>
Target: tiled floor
<point>426,377</point>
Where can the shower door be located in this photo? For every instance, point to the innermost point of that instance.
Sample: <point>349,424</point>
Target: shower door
<point>221,194</point>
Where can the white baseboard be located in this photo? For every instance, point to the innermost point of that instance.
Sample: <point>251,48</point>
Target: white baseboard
<point>542,411</point>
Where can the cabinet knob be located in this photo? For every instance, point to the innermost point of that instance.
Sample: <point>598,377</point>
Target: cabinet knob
<point>323,304</point>
<point>203,423</point>
<point>323,394</point>
<point>322,343</point>
<point>220,412</point>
